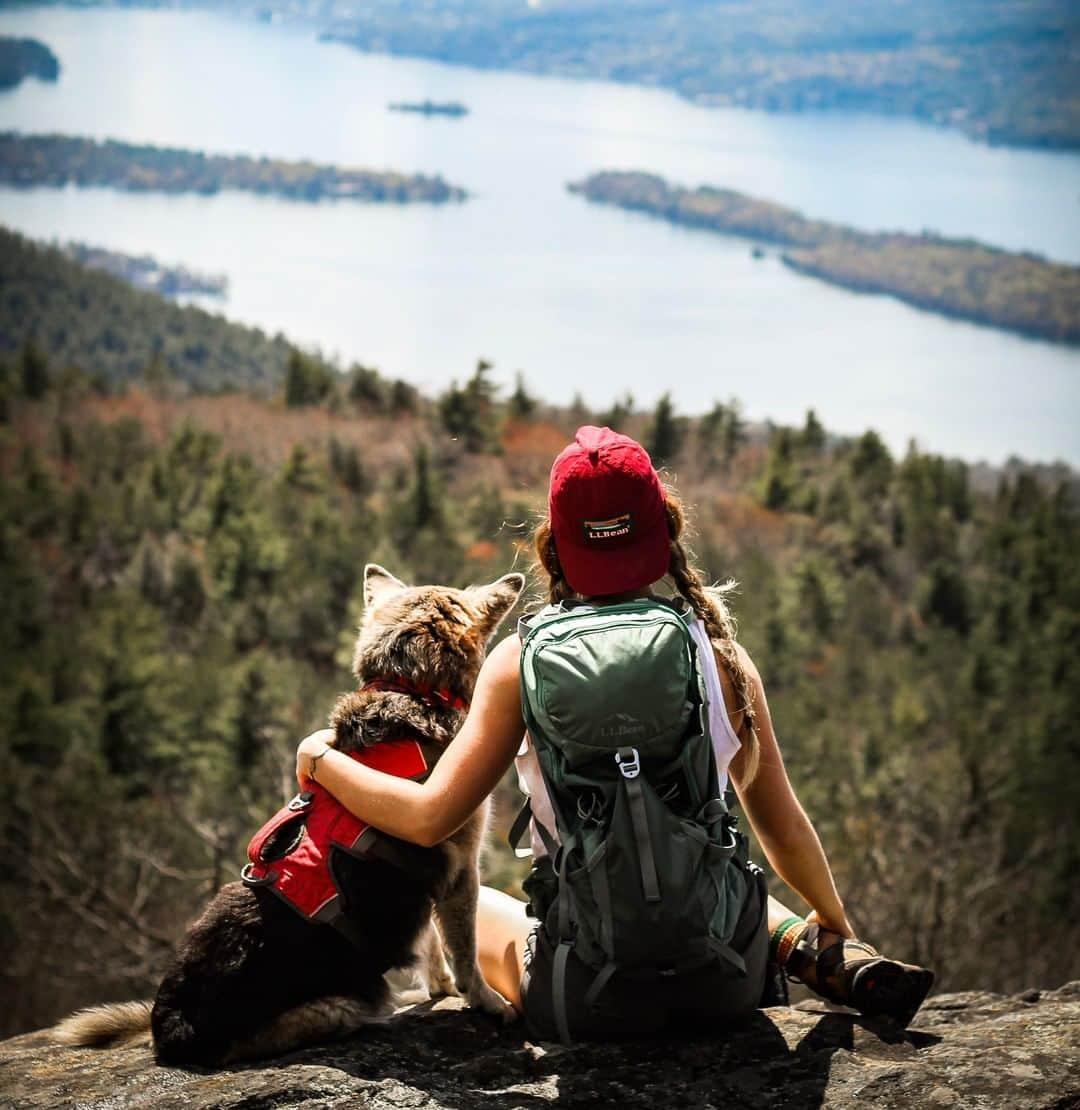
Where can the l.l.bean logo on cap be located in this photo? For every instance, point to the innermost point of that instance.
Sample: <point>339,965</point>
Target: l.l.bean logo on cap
<point>599,531</point>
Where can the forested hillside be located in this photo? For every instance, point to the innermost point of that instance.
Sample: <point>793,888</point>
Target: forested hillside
<point>90,324</point>
<point>180,583</point>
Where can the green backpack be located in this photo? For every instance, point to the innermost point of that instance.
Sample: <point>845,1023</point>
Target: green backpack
<point>649,875</point>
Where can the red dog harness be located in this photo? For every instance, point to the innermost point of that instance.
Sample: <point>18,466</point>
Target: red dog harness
<point>292,853</point>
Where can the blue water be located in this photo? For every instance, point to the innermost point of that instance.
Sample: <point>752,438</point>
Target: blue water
<point>580,298</point>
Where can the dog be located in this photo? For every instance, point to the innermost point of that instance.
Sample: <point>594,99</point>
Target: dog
<point>253,977</point>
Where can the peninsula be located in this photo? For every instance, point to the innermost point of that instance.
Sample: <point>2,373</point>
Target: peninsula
<point>452,108</point>
<point>21,58</point>
<point>960,278</point>
<point>59,160</point>
<point>144,272</point>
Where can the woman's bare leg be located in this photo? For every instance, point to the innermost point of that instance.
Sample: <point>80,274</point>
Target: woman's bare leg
<point>778,913</point>
<point>502,929</point>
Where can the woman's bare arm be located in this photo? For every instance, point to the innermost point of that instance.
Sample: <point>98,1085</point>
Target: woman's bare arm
<point>783,829</point>
<point>474,761</point>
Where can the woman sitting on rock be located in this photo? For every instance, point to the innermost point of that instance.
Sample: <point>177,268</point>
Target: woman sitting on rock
<point>611,535</point>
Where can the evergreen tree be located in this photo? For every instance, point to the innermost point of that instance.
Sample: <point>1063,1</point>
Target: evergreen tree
<point>34,370</point>
<point>367,387</point>
<point>812,438</point>
<point>347,468</point>
<point>778,481</point>
<point>665,433</point>
<point>468,412</point>
<point>734,433</point>
<point>522,405</point>
<point>579,413</point>
<point>404,397</point>
<point>620,412</point>
<point>308,381</point>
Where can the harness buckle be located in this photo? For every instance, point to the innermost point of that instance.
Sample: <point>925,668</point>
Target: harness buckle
<point>629,765</point>
<point>251,879</point>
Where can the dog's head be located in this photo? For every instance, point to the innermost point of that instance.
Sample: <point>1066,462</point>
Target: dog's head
<point>429,635</point>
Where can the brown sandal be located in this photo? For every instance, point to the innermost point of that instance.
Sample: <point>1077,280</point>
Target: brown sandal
<point>853,973</point>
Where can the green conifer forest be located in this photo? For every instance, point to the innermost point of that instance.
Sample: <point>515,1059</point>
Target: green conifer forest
<point>186,508</point>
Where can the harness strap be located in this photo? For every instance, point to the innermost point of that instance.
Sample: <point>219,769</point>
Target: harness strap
<point>411,858</point>
<point>431,694</point>
<point>640,822</point>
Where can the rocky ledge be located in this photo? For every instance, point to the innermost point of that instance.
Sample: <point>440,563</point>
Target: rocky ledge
<point>966,1051</point>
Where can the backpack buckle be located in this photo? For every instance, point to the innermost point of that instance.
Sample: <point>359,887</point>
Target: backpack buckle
<point>629,762</point>
<point>302,800</point>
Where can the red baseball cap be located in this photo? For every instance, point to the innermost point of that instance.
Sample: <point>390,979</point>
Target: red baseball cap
<point>606,507</point>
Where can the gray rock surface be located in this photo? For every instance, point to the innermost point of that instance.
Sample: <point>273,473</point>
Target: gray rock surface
<point>969,1050</point>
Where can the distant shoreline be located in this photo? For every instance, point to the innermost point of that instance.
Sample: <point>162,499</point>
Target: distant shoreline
<point>962,279</point>
<point>59,160</point>
<point>145,272</point>
<point>1001,81</point>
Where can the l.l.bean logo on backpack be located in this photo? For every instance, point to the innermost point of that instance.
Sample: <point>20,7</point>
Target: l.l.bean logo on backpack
<point>621,727</point>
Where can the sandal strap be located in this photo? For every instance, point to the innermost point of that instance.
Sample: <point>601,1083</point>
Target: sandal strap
<point>832,968</point>
<point>835,959</point>
<point>804,953</point>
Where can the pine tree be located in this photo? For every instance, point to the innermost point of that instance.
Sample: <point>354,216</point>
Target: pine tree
<point>34,369</point>
<point>522,405</point>
<point>619,413</point>
<point>468,412</point>
<point>308,380</point>
<point>665,433</point>
<point>734,433</point>
<point>812,438</point>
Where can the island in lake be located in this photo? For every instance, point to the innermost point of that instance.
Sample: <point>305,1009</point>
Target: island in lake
<point>145,272</point>
<point>22,58</point>
<point>58,160</point>
<point>961,278</point>
<point>451,108</point>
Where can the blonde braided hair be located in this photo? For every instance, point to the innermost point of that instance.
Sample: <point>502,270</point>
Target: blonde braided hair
<point>708,604</point>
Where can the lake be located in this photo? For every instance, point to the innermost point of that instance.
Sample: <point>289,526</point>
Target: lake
<point>581,299</point>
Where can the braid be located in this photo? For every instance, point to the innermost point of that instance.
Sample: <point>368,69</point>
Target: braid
<point>710,609</point>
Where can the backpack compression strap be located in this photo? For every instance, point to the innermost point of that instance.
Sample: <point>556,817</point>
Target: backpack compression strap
<point>630,767</point>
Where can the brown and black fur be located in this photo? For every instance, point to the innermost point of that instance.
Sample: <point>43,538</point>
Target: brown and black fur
<point>252,978</point>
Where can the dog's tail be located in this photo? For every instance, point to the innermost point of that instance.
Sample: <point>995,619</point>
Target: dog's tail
<point>105,1026</point>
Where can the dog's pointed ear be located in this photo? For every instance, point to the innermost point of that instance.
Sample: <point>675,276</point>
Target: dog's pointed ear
<point>379,582</point>
<point>496,599</point>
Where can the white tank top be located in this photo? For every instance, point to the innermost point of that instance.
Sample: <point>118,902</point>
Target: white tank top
<point>725,743</point>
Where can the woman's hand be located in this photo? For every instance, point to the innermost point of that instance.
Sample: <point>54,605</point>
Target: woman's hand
<point>838,924</point>
<point>308,748</point>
